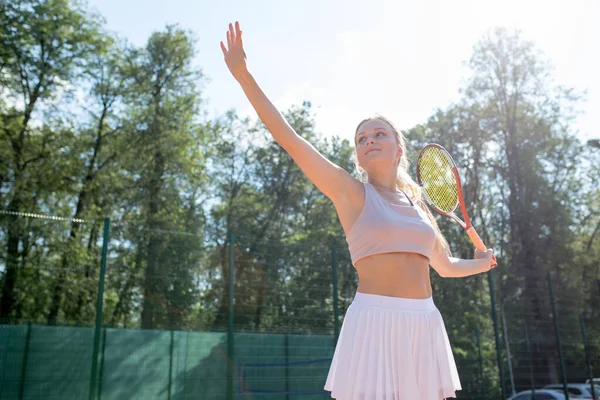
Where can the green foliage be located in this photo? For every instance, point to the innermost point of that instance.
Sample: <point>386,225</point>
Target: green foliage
<point>530,191</point>
<point>91,126</point>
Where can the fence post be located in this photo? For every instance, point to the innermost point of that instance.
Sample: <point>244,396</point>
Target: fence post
<point>530,353</point>
<point>240,375</point>
<point>102,364</point>
<point>25,358</point>
<point>507,344</point>
<point>336,310</point>
<point>587,355</point>
<point>231,286</point>
<point>496,333</point>
<point>557,332</point>
<point>286,346</point>
<point>480,356</point>
<point>171,345</point>
<point>185,368</point>
<point>99,309</point>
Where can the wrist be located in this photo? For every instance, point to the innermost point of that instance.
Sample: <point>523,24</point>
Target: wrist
<point>485,265</point>
<point>243,76</point>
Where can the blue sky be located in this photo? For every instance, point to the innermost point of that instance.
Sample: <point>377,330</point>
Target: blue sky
<point>355,58</point>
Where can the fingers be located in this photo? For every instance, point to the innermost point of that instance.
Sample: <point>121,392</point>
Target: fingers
<point>238,31</point>
<point>234,37</point>
<point>482,253</point>
<point>232,34</point>
<point>494,262</point>
<point>238,34</point>
<point>488,254</point>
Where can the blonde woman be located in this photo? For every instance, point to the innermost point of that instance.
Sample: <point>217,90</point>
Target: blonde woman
<point>393,343</point>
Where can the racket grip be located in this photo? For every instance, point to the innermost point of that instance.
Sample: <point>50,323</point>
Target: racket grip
<point>474,236</point>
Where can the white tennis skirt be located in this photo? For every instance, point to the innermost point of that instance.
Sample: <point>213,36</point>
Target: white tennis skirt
<point>392,348</point>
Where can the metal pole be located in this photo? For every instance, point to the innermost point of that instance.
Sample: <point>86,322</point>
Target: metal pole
<point>496,333</point>
<point>99,310</point>
<point>183,390</point>
<point>480,356</point>
<point>171,346</point>
<point>101,374</point>
<point>287,369</point>
<point>587,355</point>
<point>230,319</point>
<point>508,358</point>
<point>528,343</point>
<point>240,375</point>
<point>336,310</point>
<point>557,332</point>
<point>25,358</point>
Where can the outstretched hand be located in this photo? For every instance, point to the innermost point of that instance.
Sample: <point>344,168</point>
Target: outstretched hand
<point>235,57</point>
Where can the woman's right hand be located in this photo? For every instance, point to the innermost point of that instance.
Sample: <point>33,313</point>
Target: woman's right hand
<point>487,255</point>
<point>235,57</point>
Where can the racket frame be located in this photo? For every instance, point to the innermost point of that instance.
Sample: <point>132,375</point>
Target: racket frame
<point>466,224</point>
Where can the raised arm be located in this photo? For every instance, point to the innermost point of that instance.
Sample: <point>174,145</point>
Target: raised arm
<point>332,180</point>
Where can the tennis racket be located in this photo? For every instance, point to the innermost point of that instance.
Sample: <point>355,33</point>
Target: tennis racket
<point>442,190</point>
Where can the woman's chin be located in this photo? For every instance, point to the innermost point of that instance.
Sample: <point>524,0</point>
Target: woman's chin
<point>375,166</point>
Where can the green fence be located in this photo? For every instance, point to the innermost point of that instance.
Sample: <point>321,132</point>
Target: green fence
<point>53,362</point>
<point>119,311</point>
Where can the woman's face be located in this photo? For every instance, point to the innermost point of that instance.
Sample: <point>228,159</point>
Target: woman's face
<point>376,146</point>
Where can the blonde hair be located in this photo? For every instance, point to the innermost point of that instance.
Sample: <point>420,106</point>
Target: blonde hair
<point>404,181</point>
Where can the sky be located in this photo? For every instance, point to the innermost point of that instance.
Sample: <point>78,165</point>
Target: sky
<point>351,59</point>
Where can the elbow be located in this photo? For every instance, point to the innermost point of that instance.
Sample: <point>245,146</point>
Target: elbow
<point>443,267</point>
<point>444,272</point>
<point>289,142</point>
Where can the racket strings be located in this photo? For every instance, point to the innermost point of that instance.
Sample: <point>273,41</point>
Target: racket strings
<point>438,180</point>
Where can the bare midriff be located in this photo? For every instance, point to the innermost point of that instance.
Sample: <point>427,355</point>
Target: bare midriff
<point>394,274</point>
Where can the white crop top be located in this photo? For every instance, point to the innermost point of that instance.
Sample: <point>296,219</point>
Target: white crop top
<point>383,227</point>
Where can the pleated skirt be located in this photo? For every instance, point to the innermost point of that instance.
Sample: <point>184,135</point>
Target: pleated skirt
<point>392,348</point>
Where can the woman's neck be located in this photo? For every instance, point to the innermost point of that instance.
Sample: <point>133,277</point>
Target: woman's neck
<point>387,184</point>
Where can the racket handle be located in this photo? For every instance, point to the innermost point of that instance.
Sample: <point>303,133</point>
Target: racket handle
<point>474,236</point>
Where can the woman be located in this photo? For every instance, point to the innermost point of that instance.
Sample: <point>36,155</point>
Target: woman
<point>393,344</point>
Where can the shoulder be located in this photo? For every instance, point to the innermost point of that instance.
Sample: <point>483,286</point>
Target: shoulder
<point>350,205</point>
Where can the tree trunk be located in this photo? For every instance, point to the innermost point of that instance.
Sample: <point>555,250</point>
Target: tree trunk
<point>83,294</point>
<point>121,307</point>
<point>523,250</point>
<point>7,301</point>
<point>82,200</point>
<point>152,286</point>
<point>64,265</point>
<point>221,317</point>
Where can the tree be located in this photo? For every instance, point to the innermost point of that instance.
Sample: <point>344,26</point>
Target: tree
<point>101,140</point>
<point>166,165</point>
<point>42,43</point>
<point>511,138</point>
<point>283,225</point>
